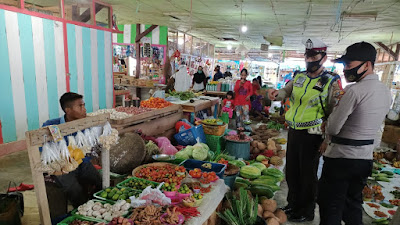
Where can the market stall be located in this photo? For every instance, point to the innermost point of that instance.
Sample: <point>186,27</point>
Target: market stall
<point>201,104</point>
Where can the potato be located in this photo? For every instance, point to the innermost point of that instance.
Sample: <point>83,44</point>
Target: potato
<point>260,210</point>
<point>278,147</point>
<point>282,154</point>
<point>256,151</point>
<point>254,144</point>
<point>267,214</point>
<point>272,221</point>
<point>269,205</point>
<point>281,215</point>
<point>261,146</point>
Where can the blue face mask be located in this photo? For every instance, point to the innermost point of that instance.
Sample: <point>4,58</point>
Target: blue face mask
<point>199,71</point>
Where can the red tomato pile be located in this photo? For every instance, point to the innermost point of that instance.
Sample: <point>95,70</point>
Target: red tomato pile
<point>211,176</point>
<point>155,103</point>
<point>196,173</point>
<point>159,174</point>
<point>180,169</point>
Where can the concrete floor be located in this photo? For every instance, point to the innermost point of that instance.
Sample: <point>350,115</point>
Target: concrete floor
<point>15,167</point>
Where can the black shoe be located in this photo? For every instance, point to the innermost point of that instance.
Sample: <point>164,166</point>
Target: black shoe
<point>287,209</point>
<point>300,219</point>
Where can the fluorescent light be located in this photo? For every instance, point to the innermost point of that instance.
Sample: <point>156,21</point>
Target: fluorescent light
<point>180,41</point>
<point>244,29</point>
<point>229,47</point>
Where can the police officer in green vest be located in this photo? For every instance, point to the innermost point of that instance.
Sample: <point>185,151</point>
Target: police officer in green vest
<point>313,94</point>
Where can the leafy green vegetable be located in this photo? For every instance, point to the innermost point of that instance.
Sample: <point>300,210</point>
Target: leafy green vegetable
<point>243,210</point>
<point>184,95</point>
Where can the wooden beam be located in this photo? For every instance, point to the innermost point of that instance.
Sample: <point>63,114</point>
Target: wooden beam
<point>397,52</point>
<point>85,16</point>
<point>137,52</point>
<point>387,50</point>
<point>139,35</point>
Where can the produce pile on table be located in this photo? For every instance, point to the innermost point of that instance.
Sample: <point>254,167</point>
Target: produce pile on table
<point>155,103</point>
<point>132,110</point>
<point>182,95</point>
<point>199,151</point>
<point>114,114</point>
<point>382,193</point>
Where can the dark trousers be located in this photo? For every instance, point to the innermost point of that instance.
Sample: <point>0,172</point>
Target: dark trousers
<point>340,190</point>
<point>301,170</point>
<point>74,182</point>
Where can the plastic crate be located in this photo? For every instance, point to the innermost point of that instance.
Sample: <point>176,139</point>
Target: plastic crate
<point>190,136</point>
<point>191,164</point>
<point>70,219</point>
<point>122,184</point>
<point>97,195</point>
<point>215,143</point>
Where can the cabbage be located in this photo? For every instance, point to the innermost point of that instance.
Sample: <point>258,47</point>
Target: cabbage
<point>260,166</point>
<point>188,150</point>
<point>181,155</point>
<point>205,146</point>
<point>199,153</point>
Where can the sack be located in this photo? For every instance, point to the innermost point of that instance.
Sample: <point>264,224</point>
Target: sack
<point>11,207</point>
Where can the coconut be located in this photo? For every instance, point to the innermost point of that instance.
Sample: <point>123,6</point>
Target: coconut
<point>127,154</point>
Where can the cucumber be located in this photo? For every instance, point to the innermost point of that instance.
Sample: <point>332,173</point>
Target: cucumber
<point>388,172</point>
<point>381,221</point>
<point>241,180</point>
<point>263,182</point>
<point>384,179</point>
<point>238,185</point>
<point>261,191</point>
<point>382,175</point>
<point>374,171</point>
<point>386,205</point>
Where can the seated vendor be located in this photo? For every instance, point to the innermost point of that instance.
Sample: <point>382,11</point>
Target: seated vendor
<point>72,183</point>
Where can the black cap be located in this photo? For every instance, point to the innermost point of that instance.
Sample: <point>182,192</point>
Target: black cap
<point>361,51</point>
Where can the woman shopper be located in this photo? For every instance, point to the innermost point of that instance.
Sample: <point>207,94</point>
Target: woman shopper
<point>243,91</point>
<point>199,80</point>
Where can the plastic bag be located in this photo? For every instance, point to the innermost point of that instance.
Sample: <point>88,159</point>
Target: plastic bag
<point>97,131</point>
<point>165,146</point>
<point>62,147</point>
<point>107,129</point>
<point>81,139</point>
<point>89,137</point>
<point>150,196</point>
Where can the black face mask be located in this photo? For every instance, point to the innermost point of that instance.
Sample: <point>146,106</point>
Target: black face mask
<point>313,66</point>
<point>351,75</point>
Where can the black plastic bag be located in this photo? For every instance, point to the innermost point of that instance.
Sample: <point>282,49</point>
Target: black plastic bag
<point>11,207</point>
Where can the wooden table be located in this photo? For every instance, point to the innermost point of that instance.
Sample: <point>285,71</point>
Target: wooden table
<point>199,105</point>
<point>215,93</point>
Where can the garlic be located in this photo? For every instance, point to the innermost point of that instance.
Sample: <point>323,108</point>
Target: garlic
<point>96,213</point>
<point>116,208</point>
<point>125,207</point>
<point>90,213</point>
<point>96,207</point>
<point>102,211</point>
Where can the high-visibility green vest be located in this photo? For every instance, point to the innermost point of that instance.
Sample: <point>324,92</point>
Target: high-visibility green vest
<point>306,110</point>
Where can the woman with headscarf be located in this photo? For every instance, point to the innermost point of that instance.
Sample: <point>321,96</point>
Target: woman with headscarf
<point>199,80</point>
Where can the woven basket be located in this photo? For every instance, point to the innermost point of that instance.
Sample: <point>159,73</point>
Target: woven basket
<point>160,164</point>
<point>216,130</point>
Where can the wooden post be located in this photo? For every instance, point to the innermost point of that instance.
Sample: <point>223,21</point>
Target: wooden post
<point>137,52</point>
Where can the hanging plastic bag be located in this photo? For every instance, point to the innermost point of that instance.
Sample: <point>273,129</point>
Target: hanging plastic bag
<point>107,129</point>
<point>82,143</point>
<point>165,146</point>
<point>97,131</point>
<point>89,137</point>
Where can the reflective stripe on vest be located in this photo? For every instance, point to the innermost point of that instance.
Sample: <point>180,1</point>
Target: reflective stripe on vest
<point>305,108</point>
